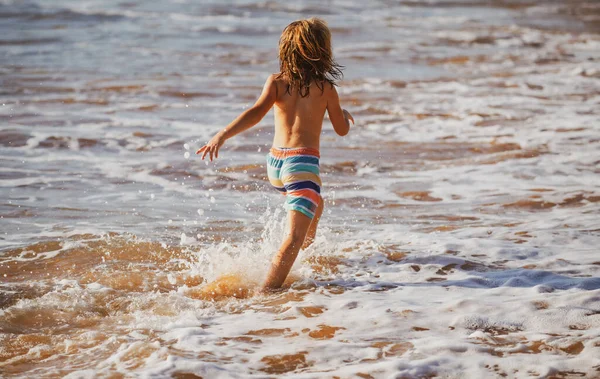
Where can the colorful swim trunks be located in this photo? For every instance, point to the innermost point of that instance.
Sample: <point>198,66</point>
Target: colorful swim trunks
<point>295,173</point>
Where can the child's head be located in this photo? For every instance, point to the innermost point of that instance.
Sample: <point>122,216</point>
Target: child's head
<point>305,55</point>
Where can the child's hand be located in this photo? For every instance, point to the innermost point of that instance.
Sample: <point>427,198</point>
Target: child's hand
<point>212,147</point>
<point>348,116</point>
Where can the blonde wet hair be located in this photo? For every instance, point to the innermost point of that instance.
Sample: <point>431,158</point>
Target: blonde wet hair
<point>305,56</point>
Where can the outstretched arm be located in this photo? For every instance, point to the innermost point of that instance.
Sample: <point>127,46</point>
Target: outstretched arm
<point>340,118</point>
<point>244,121</point>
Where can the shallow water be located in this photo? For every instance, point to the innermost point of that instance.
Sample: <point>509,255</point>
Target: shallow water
<point>461,230</point>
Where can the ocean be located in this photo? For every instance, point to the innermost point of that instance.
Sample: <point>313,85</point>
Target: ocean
<point>461,231</point>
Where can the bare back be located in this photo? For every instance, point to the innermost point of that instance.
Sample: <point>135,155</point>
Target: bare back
<point>299,120</point>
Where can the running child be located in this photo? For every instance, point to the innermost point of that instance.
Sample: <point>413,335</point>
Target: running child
<point>301,92</point>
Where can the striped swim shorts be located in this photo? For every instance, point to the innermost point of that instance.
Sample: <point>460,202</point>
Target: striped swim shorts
<point>295,173</point>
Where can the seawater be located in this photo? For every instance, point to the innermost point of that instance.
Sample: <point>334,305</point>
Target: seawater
<point>460,232</point>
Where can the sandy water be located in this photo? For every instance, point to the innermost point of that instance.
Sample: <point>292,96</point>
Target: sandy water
<point>461,230</point>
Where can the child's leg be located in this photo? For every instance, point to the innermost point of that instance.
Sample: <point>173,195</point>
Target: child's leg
<point>312,229</point>
<point>285,257</point>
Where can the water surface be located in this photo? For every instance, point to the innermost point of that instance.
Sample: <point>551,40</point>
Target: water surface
<point>461,226</point>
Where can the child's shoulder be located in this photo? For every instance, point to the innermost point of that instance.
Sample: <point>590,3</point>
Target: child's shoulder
<point>281,83</point>
<point>277,78</point>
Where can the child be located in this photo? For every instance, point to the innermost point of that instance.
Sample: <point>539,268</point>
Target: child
<point>301,93</point>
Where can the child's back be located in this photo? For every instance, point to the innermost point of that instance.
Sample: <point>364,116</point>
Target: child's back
<point>298,119</point>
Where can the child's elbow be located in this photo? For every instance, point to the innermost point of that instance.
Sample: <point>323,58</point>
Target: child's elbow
<point>342,130</point>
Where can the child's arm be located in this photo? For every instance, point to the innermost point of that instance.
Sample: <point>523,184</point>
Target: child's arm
<point>244,121</point>
<point>340,118</point>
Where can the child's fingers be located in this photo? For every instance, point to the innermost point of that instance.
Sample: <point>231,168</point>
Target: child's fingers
<point>349,115</point>
<point>211,150</point>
